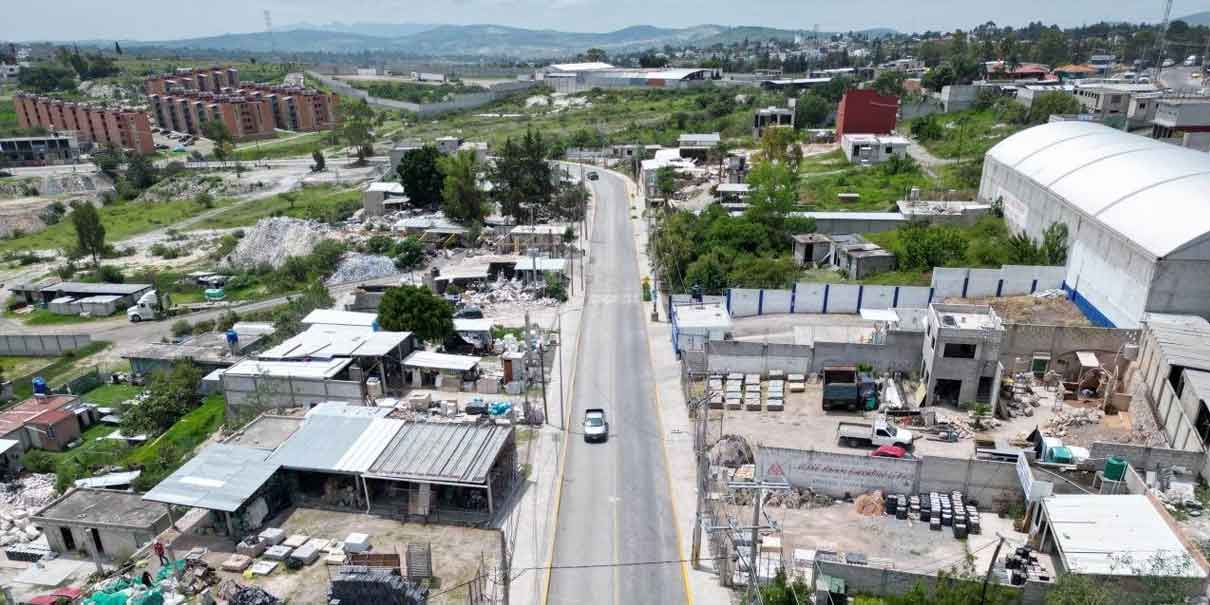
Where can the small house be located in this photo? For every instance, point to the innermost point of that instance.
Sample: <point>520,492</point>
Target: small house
<point>693,325</point>
<point>382,197</point>
<point>112,524</point>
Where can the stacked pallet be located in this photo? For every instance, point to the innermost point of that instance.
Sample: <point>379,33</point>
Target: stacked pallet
<point>775,400</point>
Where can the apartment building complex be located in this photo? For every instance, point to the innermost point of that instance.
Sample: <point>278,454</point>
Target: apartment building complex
<point>209,79</point>
<point>250,112</point>
<point>93,124</point>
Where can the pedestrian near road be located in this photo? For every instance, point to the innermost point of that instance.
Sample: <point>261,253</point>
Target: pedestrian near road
<point>158,547</point>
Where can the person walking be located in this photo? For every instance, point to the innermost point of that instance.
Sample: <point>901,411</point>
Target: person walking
<point>158,547</point>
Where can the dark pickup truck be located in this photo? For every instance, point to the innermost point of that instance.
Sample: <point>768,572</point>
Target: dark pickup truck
<point>844,388</point>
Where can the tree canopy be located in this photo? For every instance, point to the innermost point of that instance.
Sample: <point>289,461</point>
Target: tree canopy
<point>461,198</point>
<point>90,232</point>
<point>420,174</point>
<point>418,310</point>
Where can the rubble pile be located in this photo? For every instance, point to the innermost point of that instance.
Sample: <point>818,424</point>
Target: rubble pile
<point>797,498</point>
<point>1059,425</point>
<point>273,240</point>
<point>360,267</point>
<point>1021,404</point>
<point>870,505</point>
<point>509,291</point>
<point>235,593</point>
<point>31,491</point>
<point>731,451</point>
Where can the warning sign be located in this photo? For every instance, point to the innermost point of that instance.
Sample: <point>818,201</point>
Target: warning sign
<point>774,470</point>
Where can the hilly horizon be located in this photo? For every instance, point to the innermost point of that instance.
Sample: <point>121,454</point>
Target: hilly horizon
<point>467,40</point>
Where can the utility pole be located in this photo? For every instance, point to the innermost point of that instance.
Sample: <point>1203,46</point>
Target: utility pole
<point>995,556</point>
<point>525,364</point>
<point>758,488</point>
<point>505,566</point>
<point>542,372</point>
<point>702,407</point>
<point>562,385</point>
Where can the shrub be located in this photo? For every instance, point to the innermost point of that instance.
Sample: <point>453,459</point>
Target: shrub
<point>38,461</point>
<point>181,328</point>
<point>204,326</point>
<point>110,274</point>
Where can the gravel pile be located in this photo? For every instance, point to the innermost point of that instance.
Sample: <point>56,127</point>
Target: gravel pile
<point>273,240</point>
<point>360,267</point>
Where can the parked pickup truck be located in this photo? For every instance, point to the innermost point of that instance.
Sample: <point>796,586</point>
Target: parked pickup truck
<point>844,388</point>
<point>856,434</point>
<point>596,428</point>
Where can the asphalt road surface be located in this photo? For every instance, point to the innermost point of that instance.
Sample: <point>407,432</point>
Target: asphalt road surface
<point>1180,78</point>
<point>615,513</point>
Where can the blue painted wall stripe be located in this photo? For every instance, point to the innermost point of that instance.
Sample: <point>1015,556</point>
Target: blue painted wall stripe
<point>966,281</point>
<point>728,302</point>
<point>1033,287</point>
<point>793,297</point>
<point>1089,310</point>
<point>895,298</point>
<point>999,288</point>
<point>930,294</point>
<point>760,302</point>
<point>860,292</point>
<point>826,288</point>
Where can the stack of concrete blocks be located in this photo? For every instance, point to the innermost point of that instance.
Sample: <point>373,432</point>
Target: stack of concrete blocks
<point>735,391</point>
<point>272,536</point>
<point>752,392</point>
<point>714,389</point>
<point>308,553</point>
<point>796,383</point>
<point>775,399</point>
<point>296,540</point>
<point>277,553</point>
<point>263,568</point>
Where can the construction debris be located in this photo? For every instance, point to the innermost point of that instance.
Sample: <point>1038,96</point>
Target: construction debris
<point>509,291</point>
<point>731,451</point>
<point>354,585</point>
<point>273,240</point>
<point>356,267</point>
<point>235,593</point>
<point>796,498</point>
<point>871,504</point>
<point>1059,425</point>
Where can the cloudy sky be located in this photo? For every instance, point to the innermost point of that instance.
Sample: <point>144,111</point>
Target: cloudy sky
<point>169,19</point>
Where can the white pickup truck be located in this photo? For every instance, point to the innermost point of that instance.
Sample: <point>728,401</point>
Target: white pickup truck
<point>856,434</point>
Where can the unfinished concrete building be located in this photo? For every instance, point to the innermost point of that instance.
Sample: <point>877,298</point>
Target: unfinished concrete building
<point>109,523</point>
<point>772,117</point>
<point>962,355</point>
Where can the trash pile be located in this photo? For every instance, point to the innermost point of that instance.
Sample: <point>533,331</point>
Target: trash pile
<point>31,491</point>
<point>870,504</point>
<point>731,451</point>
<point>273,240</point>
<point>235,593</point>
<point>796,498</point>
<point>360,267</point>
<point>504,291</point>
<point>1058,425</point>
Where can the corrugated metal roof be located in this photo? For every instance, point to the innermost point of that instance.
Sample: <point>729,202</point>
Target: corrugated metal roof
<point>326,341</point>
<point>220,477</point>
<point>340,318</point>
<point>321,442</point>
<point>448,452</point>
<point>295,369</point>
<point>440,361</point>
<point>1096,533</point>
<point>367,448</point>
<point>589,66</point>
<point>1182,344</point>
<point>1155,194</point>
<point>76,287</point>
<point>109,480</point>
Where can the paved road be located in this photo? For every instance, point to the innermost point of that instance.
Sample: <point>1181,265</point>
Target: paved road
<point>1180,78</point>
<point>615,505</point>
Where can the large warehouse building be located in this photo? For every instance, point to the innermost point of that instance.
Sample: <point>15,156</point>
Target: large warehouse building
<point>1137,212</point>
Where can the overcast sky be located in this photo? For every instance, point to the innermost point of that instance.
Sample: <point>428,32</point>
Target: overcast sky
<point>169,19</point>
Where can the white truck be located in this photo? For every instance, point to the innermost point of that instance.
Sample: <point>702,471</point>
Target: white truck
<point>881,432</point>
<point>147,308</point>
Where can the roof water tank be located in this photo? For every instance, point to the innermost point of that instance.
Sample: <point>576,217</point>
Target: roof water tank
<point>1115,468</point>
<point>40,387</point>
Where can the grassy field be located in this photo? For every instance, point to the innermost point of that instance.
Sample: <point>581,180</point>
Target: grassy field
<point>8,117</point>
<point>321,203</point>
<point>62,367</point>
<point>968,134</point>
<point>188,432</point>
<point>413,92</point>
<point>12,367</point>
<point>121,220</point>
<point>282,148</point>
<point>109,395</point>
<point>878,189</point>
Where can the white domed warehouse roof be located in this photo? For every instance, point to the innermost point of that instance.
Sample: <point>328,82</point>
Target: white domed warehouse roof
<point>1154,193</point>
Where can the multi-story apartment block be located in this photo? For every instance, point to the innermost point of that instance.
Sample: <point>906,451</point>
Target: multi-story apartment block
<point>93,124</point>
<point>245,117</point>
<point>295,107</point>
<point>210,79</point>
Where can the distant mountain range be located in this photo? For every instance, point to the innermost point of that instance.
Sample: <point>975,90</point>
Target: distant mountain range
<point>471,40</point>
<point>1202,18</point>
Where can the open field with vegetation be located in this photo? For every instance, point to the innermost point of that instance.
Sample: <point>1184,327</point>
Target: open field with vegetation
<point>413,92</point>
<point>326,202</point>
<point>290,146</point>
<point>8,117</point>
<point>966,134</point>
<point>122,219</point>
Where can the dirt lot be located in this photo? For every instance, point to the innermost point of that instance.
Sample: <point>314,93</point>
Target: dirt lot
<point>1049,310</point>
<point>457,552</point>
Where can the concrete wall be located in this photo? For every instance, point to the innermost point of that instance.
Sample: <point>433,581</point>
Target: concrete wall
<point>1148,458</point>
<point>1152,376</point>
<point>41,345</point>
<point>117,543</point>
<point>464,101</point>
<point>1021,341</point>
<point>901,352</point>
<point>836,474</point>
<point>882,581</point>
<point>277,392</point>
<point>807,297</point>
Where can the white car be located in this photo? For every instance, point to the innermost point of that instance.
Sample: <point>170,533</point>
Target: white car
<point>1168,63</point>
<point>596,428</point>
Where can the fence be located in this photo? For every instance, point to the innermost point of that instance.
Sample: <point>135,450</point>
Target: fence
<point>458,102</point>
<point>824,298</point>
<point>41,345</point>
<point>885,581</point>
<point>837,474</point>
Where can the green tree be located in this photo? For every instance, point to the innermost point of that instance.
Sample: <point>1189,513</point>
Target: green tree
<point>890,83</point>
<point>1049,103</point>
<point>418,310</point>
<point>927,128</point>
<point>1054,244</point>
<point>90,232</point>
<point>217,131</point>
<point>764,272</point>
<point>355,127</point>
<point>523,178</point>
<point>288,321</point>
<point>409,253</point>
<point>781,591</point>
<point>775,143</point>
<point>665,181</point>
<point>461,198</point>
<point>710,272</point>
<point>811,111</point>
<point>923,247</point>
<point>594,55</point>
<point>420,174</point>
<point>46,78</point>
<point>141,172</point>
<point>774,194</point>
<point>1076,589</point>
<point>170,395</point>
